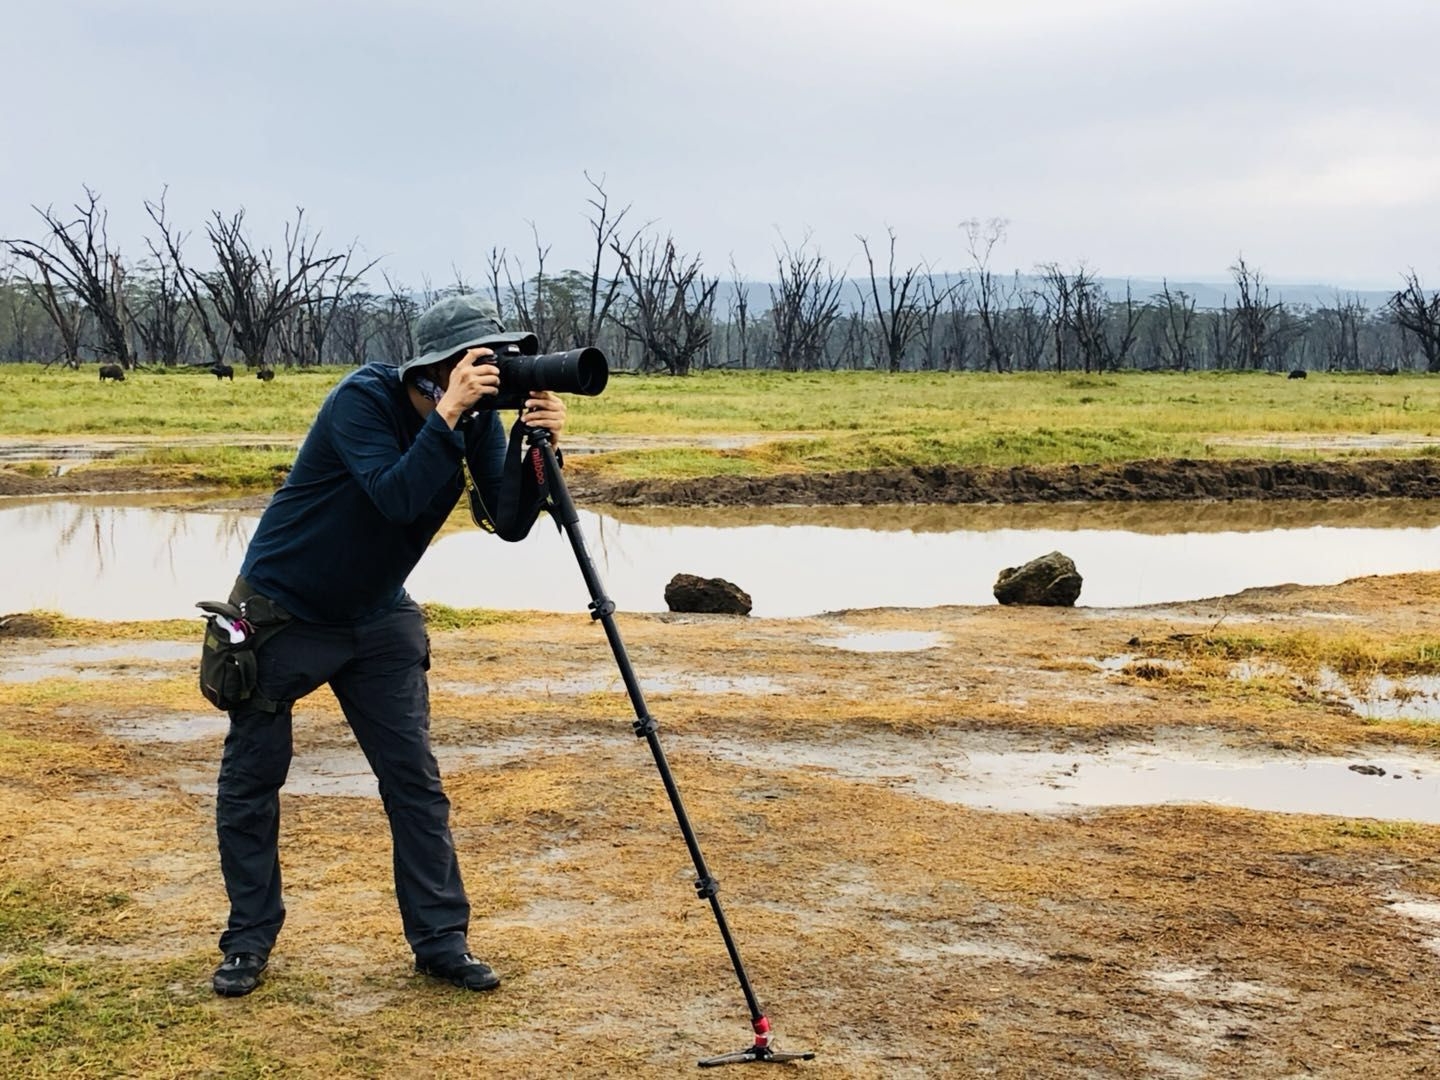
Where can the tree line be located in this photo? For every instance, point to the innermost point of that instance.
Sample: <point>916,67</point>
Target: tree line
<point>67,296</point>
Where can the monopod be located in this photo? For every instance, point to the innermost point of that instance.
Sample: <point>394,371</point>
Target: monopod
<point>602,608</point>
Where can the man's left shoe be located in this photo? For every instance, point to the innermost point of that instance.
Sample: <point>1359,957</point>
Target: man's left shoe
<point>462,970</point>
<point>239,974</point>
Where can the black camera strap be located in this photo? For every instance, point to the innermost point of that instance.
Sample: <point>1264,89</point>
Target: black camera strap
<point>524,490</point>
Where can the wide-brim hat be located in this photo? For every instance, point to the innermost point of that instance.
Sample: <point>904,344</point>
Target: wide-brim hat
<point>462,322</point>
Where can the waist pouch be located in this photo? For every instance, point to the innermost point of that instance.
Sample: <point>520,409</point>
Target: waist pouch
<point>234,630</point>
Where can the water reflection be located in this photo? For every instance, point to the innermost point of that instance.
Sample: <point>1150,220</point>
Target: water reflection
<point>146,557</point>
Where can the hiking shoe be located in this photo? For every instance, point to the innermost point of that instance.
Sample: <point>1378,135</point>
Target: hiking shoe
<point>463,970</point>
<point>238,974</point>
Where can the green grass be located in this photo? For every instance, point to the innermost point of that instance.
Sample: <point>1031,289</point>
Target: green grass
<point>1350,654</point>
<point>797,422</point>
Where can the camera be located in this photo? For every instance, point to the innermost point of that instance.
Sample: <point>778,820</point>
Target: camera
<point>578,371</point>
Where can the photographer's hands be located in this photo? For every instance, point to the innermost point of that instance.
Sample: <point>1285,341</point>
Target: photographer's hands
<point>468,378</point>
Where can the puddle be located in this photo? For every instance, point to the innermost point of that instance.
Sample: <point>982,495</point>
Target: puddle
<point>1211,985</point>
<point>1130,663</point>
<point>1422,911</point>
<point>94,661</point>
<point>110,557</point>
<point>348,774</point>
<point>1414,697</point>
<point>188,728</point>
<point>942,768</point>
<point>665,683</point>
<point>972,950</point>
<point>884,641</point>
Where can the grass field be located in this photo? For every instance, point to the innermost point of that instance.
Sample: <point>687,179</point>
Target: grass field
<point>798,422</point>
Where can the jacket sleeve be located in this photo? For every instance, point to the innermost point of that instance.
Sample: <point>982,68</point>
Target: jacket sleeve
<point>401,481</point>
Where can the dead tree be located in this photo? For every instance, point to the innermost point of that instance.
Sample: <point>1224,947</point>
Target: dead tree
<point>1125,317</point>
<point>161,315</point>
<point>355,326</point>
<point>64,310</point>
<point>602,288</point>
<point>164,312</point>
<point>251,292</point>
<point>530,307</point>
<point>76,258</point>
<point>932,298</point>
<point>1337,332</point>
<point>899,316</point>
<point>1418,315</point>
<point>396,321</point>
<point>991,294</point>
<point>494,267</point>
<point>201,310</point>
<point>740,311</point>
<point>1177,310</point>
<point>957,337</point>
<point>1030,328</point>
<point>855,329</point>
<point>302,334</point>
<point>1058,297</point>
<point>669,305</point>
<point>804,306</point>
<point>1255,317</point>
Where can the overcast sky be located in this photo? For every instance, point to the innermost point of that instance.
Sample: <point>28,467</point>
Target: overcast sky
<point>1144,137</point>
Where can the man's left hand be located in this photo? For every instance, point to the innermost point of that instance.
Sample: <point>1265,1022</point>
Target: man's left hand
<point>546,409</point>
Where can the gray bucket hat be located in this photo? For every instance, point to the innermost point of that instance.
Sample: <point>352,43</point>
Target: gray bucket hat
<point>461,322</point>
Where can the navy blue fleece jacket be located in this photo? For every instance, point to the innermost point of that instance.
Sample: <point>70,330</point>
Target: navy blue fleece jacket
<point>371,486</point>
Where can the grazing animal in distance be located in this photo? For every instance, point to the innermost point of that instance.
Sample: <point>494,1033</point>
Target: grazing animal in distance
<point>265,374</point>
<point>1298,373</point>
<point>223,371</point>
<point>112,371</point>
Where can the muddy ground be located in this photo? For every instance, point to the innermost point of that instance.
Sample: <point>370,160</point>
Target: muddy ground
<point>1136,481</point>
<point>888,925</point>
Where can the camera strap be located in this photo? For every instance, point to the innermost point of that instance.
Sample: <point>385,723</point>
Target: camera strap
<point>524,490</point>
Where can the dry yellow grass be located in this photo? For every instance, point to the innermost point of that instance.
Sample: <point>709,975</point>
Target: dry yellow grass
<point>892,933</point>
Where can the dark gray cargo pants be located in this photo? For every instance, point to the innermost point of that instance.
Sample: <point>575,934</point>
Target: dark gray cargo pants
<point>376,669</point>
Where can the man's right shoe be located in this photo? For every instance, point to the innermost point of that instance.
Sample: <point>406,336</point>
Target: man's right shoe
<point>462,970</point>
<point>238,974</point>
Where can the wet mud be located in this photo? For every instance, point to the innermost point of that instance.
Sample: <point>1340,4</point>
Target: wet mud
<point>1159,480</point>
<point>1136,481</point>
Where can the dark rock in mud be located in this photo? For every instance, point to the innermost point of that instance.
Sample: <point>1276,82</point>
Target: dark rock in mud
<point>1049,581</point>
<point>706,596</point>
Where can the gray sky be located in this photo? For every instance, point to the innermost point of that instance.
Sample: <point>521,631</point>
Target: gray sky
<point>1144,137</point>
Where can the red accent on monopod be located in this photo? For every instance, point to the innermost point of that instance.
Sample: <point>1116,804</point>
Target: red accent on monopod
<point>762,1031</point>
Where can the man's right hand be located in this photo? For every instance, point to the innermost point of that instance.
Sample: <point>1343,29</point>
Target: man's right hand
<point>470,380</point>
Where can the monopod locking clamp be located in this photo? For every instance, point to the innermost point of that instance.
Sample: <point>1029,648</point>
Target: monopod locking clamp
<point>602,610</point>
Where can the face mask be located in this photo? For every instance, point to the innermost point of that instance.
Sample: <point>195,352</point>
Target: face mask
<point>430,388</point>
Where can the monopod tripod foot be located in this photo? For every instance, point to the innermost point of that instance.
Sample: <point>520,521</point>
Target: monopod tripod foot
<point>762,1051</point>
<point>757,1053</point>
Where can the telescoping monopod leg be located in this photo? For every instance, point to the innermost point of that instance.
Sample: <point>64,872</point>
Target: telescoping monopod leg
<point>603,609</point>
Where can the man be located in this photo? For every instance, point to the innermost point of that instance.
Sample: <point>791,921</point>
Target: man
<point>377,475</point>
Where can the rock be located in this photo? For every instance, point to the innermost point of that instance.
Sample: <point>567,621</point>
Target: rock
<point>708,596</point>
<point>1050,580</point>
<point>1368,770</point>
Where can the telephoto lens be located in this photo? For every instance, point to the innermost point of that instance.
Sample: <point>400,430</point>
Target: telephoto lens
<point>579,371</point>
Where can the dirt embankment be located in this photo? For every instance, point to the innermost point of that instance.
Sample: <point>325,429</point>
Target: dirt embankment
<point>1160,480</point>
<point>1136,481</point>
